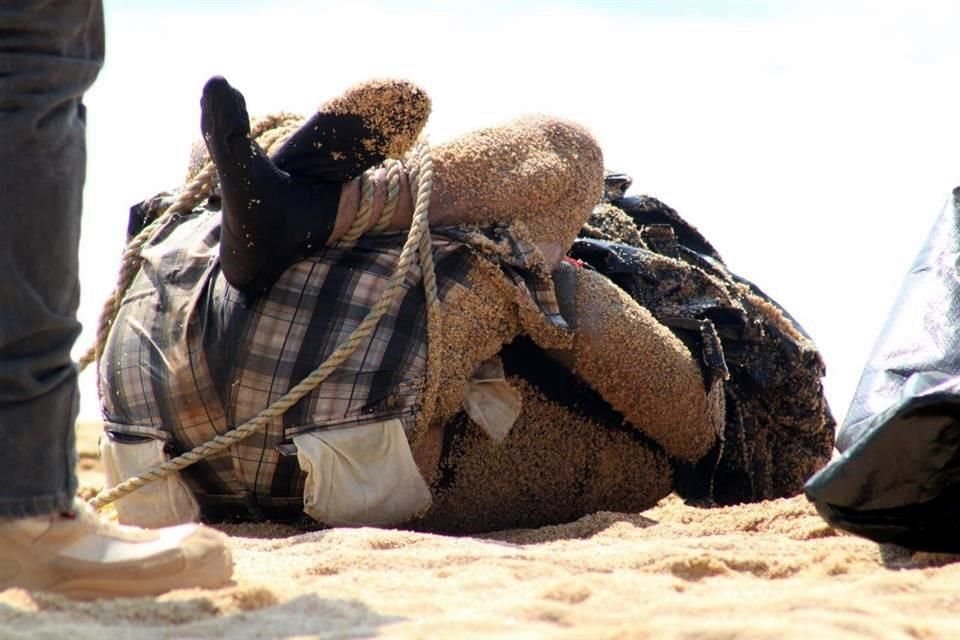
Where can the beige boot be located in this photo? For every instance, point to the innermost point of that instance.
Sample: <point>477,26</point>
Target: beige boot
<point>82,556</point>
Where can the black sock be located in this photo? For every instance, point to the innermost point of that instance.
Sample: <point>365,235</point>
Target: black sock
<point>271,218</point>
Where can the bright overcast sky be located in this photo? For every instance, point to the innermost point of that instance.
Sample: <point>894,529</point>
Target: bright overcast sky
<point>813,142</point>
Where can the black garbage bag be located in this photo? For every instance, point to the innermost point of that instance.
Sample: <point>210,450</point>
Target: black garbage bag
<point>897,478</point>
<point>779,429</point>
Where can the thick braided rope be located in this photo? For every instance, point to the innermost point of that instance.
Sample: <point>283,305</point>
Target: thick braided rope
<point>424,183</point>
<point>268,131</point>
<point>393,196</point>
<point>418,241</point>
<point>361,224</point>
<point>364,212</point>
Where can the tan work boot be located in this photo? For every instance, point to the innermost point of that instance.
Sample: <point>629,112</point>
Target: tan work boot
<point>81,555</point>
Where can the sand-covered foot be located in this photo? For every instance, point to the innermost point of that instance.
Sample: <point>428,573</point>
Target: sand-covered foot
<point>371,121</point>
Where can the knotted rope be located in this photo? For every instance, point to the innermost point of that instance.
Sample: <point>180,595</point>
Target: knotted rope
<point>418,241</point>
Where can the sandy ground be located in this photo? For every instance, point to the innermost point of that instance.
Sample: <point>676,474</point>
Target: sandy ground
<point>769,570</point>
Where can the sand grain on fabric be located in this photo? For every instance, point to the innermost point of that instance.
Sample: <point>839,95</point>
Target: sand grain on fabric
<point>396,109</point>
<point>553,466</point>
<point>545,172</point>
<point>771,570</point>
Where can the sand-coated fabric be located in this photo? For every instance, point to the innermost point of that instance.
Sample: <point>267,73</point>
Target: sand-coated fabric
<point>656,383</point>
<point>361,476</point>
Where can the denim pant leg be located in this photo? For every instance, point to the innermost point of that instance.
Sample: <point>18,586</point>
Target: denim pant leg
<point>50,53</point>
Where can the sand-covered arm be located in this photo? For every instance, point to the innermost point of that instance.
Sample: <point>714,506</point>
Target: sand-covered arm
<point>637,365</point>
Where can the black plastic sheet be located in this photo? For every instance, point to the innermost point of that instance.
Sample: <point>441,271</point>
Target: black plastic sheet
<point>897,478</point>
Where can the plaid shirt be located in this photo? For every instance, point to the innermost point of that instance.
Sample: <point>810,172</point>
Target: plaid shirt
<point>189,357</point>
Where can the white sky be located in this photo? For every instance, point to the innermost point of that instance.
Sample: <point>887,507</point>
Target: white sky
<point>813,143</point>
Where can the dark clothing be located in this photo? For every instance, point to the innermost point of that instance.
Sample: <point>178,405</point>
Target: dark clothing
<point>50,54</point>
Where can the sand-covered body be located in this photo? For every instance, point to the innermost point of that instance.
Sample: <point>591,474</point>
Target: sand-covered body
<point>643,399</point>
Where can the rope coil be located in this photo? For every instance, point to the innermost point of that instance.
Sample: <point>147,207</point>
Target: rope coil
<point>418,242</point>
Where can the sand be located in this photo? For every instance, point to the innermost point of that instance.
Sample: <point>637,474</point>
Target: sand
<point>768,570</point>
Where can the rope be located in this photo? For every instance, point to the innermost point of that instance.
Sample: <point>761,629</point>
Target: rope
<point>361,223</point>
<point>393,196</point>
<point>418,241</point>
<point>363,212</point>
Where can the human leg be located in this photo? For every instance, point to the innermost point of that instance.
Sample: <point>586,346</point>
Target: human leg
<point>50,54</point>
<point>544,174</point>
<point>539,174</point>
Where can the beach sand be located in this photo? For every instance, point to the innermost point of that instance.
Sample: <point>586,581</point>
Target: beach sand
<point>767,570</point>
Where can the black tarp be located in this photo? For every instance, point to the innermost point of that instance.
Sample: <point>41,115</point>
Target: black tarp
<point>897,477</point>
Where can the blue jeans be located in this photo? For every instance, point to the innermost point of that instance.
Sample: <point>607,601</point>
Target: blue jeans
<point>50,54</point>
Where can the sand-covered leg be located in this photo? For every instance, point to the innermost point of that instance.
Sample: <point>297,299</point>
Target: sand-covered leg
<point>542,171</point>
<point>540,175</point>
<point>638,365</point>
